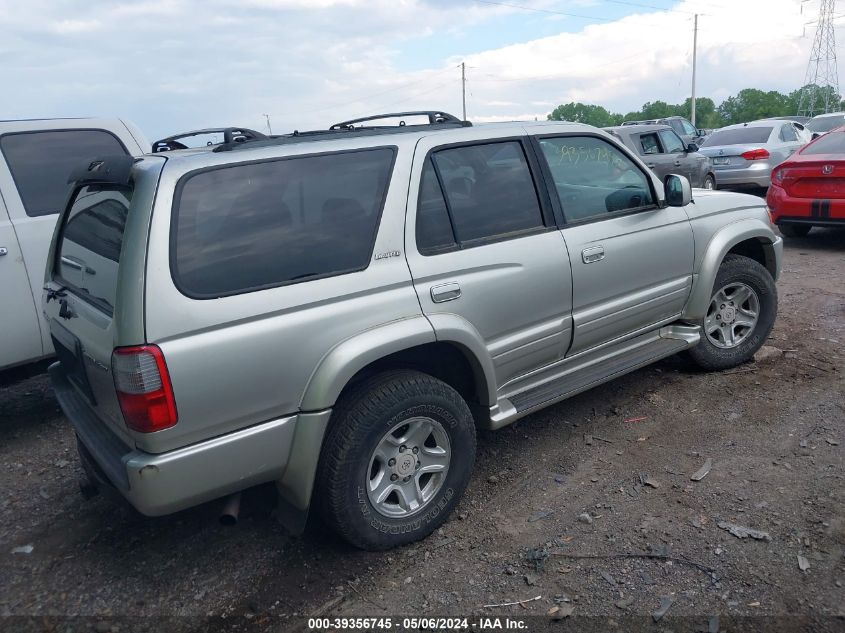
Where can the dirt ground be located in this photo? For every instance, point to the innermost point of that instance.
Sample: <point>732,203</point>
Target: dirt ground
<point>588,505</point>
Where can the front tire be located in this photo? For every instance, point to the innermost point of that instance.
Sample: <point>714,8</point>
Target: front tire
<point>709,182</point>
<point>396,460</point>
<point>795,230</point>
<point>740,317</point>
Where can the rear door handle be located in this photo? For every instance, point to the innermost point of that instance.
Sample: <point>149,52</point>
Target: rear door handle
<point>592,254</point>
<point>445,292</point>
<point>3,251</point>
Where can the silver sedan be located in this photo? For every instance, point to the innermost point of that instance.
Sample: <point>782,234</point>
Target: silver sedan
<point>744,155</point>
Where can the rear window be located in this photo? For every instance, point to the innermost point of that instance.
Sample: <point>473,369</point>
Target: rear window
<point>91,241</point>
<point>41,162</point>
<point>825,123</point>
<point>246,227</point>
<point>833,143</point>
<point>738,136</point>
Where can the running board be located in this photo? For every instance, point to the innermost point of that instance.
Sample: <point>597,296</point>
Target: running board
<point>590,370</point>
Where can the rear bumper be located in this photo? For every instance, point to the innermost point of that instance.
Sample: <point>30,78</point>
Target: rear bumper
<point>786,209</point>
<point>157,484</point>
<point>746,177</point>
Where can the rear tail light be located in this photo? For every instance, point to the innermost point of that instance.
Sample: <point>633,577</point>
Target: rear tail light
<point>755,154</point>
<point>143,388</point>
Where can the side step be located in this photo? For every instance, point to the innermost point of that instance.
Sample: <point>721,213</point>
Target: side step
<point>592,371</point>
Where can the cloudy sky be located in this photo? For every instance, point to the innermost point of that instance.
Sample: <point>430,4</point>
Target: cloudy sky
<point>173,65</point>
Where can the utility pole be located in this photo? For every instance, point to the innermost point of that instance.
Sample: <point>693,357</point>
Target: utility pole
<point>694,46</point>
<point>464,88</point>
<point>820,93</point>
<point>267,118</point>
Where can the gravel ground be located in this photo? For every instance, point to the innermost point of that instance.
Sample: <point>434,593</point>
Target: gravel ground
<point>588,505</point>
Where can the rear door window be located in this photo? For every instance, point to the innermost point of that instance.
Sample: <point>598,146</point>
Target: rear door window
<point>246,227</point>
<point>41,162</point>
<point>91,241</point>
<point>649,144</point>
<point>489,190</point>
<point>671,141</point>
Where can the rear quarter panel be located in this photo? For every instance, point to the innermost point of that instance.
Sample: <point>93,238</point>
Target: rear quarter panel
<point>244,359</point>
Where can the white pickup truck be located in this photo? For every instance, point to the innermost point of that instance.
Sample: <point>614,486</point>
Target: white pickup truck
<point>36,158</point>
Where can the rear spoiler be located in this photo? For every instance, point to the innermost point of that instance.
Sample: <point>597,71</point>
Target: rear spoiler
<point>230,135</point>
<point>104,170</point>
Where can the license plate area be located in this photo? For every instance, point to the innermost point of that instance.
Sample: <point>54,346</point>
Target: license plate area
<point>722,160</point>
<point>69,353</point>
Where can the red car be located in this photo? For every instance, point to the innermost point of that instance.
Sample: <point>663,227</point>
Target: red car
<point>808,189</point>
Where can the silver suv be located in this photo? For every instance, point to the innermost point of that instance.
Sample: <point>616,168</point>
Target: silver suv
<point>338,311</point>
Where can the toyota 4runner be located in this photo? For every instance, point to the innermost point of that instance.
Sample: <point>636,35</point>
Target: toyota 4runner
<point>338,311</point>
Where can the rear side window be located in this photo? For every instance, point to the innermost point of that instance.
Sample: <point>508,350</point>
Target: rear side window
<point>246,227</point>
<point>41,162</point>
<point>489,190</point>
<point>738,136</point>
<point>787,133</point>
<point>832,143</point>
<point>91,241</point>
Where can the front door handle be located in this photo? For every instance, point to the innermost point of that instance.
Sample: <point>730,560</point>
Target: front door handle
<point>592,254</point>
<point>3,251</point>
<point>445,292</point>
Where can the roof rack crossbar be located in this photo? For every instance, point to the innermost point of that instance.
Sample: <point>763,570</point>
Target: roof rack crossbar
<point>230,135</point>
<point>435,117</point>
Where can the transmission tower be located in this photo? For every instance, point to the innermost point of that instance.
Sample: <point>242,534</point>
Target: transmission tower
<point>821,84</point>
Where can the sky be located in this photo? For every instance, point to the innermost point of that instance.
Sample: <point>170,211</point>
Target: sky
<point>176,65</point>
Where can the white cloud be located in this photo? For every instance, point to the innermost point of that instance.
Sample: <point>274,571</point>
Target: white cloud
<point>172,65</point>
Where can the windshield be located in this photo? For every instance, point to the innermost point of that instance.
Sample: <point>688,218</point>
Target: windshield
<point>738,136</point>
<point>91,241</point>
<point>825,123</point>
<point>833,143</point>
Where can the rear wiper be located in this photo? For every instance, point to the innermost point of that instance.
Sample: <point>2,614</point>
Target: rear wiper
<point>55,294</point>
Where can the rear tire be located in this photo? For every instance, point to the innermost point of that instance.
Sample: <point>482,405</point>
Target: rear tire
<point>795,230</point>
<point>709,182</point>
<point>740,317</point>
<point>396,460</point>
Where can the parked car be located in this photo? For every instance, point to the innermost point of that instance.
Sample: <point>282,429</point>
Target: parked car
<point>808,189</point>
<point>36,158</point>
<point>337,311</point>
<point>744,155</point>
<point>665,153</point>
<point>683,128</point>
<point>823,123</point>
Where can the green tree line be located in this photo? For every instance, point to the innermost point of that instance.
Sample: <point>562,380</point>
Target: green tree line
<point>747,105</point>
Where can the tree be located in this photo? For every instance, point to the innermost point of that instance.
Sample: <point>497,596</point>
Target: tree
<point>585,113</point>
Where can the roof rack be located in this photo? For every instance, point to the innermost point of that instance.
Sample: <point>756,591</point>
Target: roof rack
<point>434,118</point>
<point>230,135</point>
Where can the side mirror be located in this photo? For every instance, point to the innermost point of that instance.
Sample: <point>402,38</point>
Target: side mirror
<point>678,191</point>
<point>815,136</point>
<point>700,132</point>
<point>692,147</point>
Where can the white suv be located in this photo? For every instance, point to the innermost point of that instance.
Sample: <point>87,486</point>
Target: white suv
<point>36,158</point>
